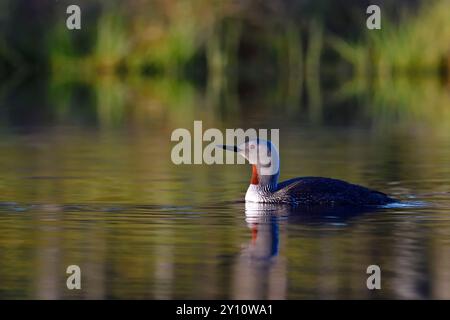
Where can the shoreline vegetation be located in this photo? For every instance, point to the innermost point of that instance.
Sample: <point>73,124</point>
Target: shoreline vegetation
<point>172,50</point>
<point>180,38</point>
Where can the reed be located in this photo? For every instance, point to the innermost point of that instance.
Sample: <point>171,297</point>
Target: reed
<point>419,44</point>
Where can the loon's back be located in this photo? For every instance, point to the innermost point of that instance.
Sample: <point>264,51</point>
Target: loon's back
<point>327,191</point>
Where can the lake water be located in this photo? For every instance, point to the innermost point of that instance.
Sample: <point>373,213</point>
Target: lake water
<point>86,179</point>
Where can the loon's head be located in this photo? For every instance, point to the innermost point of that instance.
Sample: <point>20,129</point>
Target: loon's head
<point>264,158</point>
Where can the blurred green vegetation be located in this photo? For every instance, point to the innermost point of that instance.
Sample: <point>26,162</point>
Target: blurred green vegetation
<point>146,67</point>
<point>186,59</point>
<point>419,44</point>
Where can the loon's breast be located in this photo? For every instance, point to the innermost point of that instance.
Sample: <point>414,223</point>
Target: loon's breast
<point>326,191</point>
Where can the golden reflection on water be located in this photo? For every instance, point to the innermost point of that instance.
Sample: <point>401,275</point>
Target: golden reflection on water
<point>100,191</point>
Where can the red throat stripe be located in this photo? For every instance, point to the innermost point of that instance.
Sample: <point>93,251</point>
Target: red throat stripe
<point>255,178</point>
<point>254,233</point>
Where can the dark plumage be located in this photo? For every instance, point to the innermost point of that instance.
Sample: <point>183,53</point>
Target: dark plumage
<point>327,191</point>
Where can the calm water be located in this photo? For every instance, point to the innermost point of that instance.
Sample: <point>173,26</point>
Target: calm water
<point>85,181</point>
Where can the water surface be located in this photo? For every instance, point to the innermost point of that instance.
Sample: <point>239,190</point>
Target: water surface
<point>97,189</point>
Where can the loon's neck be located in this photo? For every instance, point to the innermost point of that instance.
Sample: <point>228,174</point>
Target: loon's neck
<point>261,186</point>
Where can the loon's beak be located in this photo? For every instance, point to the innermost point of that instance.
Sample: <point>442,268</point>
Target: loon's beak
<point>229,148</point>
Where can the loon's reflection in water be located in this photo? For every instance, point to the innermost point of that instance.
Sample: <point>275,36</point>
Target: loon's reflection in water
<point>260,271</point>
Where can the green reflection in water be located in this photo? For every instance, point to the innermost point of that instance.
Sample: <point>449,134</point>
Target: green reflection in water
<point>86,177</point>
<point>90,182</point>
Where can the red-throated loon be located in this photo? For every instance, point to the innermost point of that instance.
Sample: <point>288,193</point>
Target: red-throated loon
<point>264,186</point>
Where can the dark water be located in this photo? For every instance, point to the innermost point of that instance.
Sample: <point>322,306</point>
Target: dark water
<point>86,179</point>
